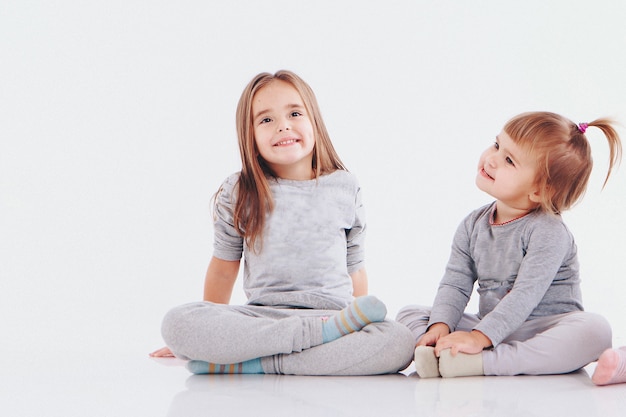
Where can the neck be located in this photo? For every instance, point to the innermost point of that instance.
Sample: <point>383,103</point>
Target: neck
<point>295,174</point>
<point>505,214</point>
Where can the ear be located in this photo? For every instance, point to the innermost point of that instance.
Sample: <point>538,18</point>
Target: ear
<point>535,196</point>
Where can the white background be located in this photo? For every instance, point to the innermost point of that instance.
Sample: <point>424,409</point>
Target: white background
<point>117,124</point>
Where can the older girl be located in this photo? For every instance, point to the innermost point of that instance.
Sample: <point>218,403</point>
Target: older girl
<point>295,215</point>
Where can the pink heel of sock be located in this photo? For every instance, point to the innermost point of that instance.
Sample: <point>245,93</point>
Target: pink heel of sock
<point>611,368</point>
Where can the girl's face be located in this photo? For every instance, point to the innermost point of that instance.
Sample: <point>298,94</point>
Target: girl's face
<point>283,132</point>
<point>507,173</point>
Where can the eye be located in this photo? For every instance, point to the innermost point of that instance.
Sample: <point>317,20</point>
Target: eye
<point>295,114</point>
<point>265,120</point>
<point>509,161</point>
<point>496,145</point>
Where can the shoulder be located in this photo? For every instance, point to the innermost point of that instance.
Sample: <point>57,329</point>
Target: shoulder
<point>227,189</point>
<point>481,213</point>
<point>340,179</point>
<point>341,176</point>
<point>544,224</point>
<point>231,180</point>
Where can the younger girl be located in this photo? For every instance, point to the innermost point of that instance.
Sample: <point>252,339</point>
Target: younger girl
<point>295,215</point>
<point>523,257</point>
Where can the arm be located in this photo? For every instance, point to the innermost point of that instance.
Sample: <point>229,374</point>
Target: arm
<point>359,282</point>
<point>546,248</point>
<point>228,245</point>
<point>220,279</point>
<point>457,283</point>
<point>221,275</point>
<point>355,256</point>
<point>454,291</point>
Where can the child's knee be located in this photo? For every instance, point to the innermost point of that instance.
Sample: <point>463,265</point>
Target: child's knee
<point>415,318</point>
<point>593,327</point>
<point>600,330</point>
<point>400,344</point>
<point>175,327</point>
<point>169,328</point>
<point>412,313</point>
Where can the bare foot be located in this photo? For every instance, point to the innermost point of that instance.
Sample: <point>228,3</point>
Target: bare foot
<point>164,352</point>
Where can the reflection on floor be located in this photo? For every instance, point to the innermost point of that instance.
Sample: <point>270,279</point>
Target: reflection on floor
<point>127,385</point>
<point>398,395</point>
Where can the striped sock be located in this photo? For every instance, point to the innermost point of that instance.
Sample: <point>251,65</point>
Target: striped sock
<point>253,366</point>
<point>361,312</point>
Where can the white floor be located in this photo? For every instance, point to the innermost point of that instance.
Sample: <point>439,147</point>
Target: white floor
<point>117,385</point>
<point>117,126</point>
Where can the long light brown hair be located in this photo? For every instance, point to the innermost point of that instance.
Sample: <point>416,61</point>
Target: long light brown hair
<point>254,198</point>
<point>563,154</point>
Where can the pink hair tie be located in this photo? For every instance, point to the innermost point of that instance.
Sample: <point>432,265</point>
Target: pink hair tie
<point>583,127</point>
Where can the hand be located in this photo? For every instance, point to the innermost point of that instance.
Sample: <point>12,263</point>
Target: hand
<point>434,333</point>
<point>164,352</point>
<point>464,342</point>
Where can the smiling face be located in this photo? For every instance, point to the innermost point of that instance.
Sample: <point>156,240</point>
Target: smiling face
<point>507,173</point>
<point>283,131</point>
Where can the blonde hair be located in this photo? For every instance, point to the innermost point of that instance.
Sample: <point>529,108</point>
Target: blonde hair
<point>254,198</point>
<point>563,155</point>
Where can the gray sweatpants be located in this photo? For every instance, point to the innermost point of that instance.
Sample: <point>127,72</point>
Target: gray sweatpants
<point>288,341</point>
<point>548,345</point>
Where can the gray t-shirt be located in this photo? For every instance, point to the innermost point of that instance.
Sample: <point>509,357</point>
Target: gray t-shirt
<point>526,268</point>
<point>312,241</point>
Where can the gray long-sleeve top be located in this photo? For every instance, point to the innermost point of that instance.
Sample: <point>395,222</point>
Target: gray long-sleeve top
<point>526,268</point>
<point>312,241</point>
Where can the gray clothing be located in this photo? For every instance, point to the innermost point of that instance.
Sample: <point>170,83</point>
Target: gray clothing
<point>299,274</point>
<point>289,341</point>
<point>555,344</point>
<point>312,241</point>
<point>530,300</point>
<point>525,269</point>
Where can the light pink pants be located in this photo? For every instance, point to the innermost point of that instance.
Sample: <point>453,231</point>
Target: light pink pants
<point>548,345</point>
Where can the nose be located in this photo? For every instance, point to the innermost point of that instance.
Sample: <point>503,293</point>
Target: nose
<point>284,125</point>
<point>490,160</point>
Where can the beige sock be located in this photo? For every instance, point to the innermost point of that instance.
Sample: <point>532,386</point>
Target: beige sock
<point>460,365</point>
<point>426,363</point>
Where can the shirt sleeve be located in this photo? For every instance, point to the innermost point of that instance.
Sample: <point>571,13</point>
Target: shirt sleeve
<point>228,243</point>
<point>455,288</point>
<point>355,237</point>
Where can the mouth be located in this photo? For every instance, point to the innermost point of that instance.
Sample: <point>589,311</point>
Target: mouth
<point>485,174</point>
<point>286,142</point>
